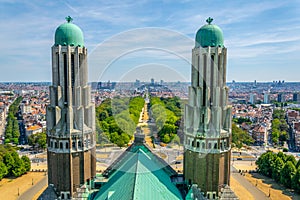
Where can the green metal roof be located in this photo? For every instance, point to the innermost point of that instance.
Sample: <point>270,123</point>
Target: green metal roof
<point>69,34</point>
<point>209,35</point>
<point>140,176</point>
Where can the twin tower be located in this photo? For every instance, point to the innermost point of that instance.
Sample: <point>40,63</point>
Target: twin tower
<point>207,117</point>
<point>71,115</point>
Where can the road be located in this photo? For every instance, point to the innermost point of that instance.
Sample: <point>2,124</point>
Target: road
<point>29,194</point>
<point>256,193</point>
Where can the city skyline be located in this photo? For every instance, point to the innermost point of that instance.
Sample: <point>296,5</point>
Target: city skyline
<point>261,39</point>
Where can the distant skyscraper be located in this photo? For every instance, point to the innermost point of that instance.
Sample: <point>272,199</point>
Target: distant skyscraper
<point>152,81</point>
<point>280,97</point>
<point>252,98</point>
<point>207,118</point>
<point>266,98</point>
<point>296,97</point>
<point>70,114</point>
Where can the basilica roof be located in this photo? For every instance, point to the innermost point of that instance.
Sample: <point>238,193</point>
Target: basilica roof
<point>139,175</point>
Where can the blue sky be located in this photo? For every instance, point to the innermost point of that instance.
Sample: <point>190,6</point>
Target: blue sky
<point>130,40</point>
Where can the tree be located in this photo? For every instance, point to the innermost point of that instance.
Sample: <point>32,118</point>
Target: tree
<point>3,170</point>
<point>166,138</point>
<point>42,140</point>
<point>275,136</point>
<point>298,164</point>
<point>240,136</point>
<point>19,167</point>
<point>287,173</point>
<point>176,139</point>
<point>292,159</point>
<point>38,140</point>
<point>296,181</point>
<point>276,168</point>
<point>9,162</point>
<point>265,163</point>
<point>26,162</point>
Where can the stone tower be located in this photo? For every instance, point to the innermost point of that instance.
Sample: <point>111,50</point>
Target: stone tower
<point>207,116</point>
<point>70,114</point>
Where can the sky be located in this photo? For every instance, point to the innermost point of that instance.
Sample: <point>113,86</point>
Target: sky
<point>129,40</point>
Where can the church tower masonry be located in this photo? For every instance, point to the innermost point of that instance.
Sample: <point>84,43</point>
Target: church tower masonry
<point>70,114</point>
<point>207,116</point>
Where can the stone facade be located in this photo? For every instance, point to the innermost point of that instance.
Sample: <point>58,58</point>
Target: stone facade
<point>70,122</point>
<point>207,122</point>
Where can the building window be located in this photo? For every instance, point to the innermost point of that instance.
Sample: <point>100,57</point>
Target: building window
<point>61,145</point>
<point>73,144</point>
<point>56,145</point>
<point>215,146</point>
<point>198,144</point>
<point>67,145</point>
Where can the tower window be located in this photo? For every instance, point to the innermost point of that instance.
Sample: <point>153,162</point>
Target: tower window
<point>58,71</point>
<point>72,71</point>
<point>204,79</point>
<point>212,71</point>
<point>65,78</point>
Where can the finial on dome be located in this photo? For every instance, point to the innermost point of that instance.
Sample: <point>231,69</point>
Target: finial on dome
<point>209,20</point>
<point>69,19</point>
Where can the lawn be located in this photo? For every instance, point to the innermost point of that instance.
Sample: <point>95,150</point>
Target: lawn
<point>9,187</point>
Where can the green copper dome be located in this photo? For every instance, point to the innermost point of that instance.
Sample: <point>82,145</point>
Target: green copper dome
<point>69,34</point>
<point>209,35</point>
